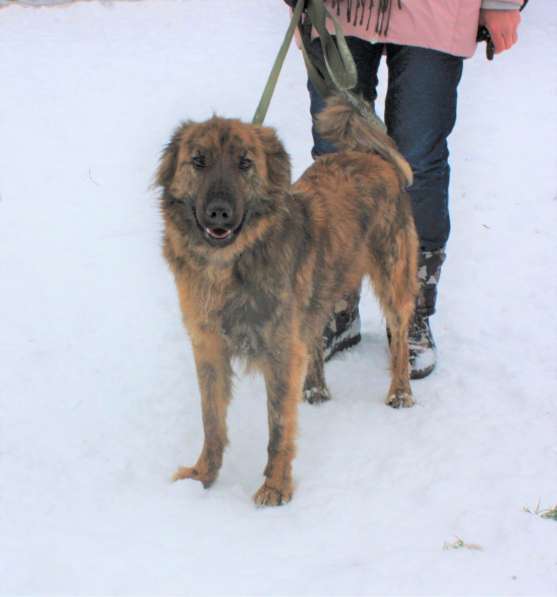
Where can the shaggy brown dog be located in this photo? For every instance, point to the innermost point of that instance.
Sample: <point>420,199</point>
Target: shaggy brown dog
<point>259,264</point>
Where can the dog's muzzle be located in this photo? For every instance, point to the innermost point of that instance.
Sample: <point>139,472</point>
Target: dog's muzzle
<point>219,222</point>
<point>218,219</point>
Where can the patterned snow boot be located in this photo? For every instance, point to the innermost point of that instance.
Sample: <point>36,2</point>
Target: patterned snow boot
<point>421,345</point>
<point>343,329</point>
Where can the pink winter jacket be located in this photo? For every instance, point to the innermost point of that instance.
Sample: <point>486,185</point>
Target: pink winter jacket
<point>446,25</point>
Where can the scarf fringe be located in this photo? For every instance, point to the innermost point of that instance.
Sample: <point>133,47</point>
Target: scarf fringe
<point>356,9</point>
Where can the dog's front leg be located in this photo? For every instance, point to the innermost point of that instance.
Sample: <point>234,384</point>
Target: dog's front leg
<point>214,375</point>
<point>284,378</point>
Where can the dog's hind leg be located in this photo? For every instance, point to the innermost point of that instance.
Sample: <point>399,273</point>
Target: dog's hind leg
<point>214,375</point>
<point>315,387</point>
<point>284,377</point>
<point>400,393</point>
<point>396,287</point>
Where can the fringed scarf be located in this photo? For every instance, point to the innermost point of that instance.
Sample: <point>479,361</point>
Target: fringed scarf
<point>356,12</point>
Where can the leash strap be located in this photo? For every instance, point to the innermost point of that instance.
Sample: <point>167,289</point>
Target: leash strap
<point>336,72</point>
<point>265,100</point>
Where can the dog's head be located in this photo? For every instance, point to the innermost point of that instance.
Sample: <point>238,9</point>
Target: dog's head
<point>220,177</point>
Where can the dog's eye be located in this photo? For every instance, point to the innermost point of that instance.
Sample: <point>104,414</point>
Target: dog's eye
<point>198,161</point>
<point>245,163</point>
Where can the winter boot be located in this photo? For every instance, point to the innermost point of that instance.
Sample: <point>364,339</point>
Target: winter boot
<point>421,346</point>
<point>343,329</point>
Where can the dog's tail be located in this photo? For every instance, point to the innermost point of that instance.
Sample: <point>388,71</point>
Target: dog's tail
<point>351,125</point>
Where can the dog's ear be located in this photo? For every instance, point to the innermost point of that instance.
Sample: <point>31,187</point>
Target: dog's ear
<point>169,156</point>
<point>167,164</point>
<point>278,161</point>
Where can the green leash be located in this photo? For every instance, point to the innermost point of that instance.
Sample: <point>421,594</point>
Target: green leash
<point>336,73</point>
<point>265,100</point>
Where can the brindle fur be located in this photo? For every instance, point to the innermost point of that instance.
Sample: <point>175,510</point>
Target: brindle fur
<point>267,295</point>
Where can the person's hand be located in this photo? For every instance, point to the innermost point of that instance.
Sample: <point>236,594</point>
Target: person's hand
<point>503,27</point>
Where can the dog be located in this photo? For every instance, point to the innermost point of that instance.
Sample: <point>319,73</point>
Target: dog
<point>259,264</point>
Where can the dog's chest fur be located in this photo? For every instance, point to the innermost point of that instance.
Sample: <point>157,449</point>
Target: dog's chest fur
<point>254,304</point>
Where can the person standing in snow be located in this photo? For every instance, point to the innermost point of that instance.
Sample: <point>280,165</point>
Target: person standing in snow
<point>425,43</point>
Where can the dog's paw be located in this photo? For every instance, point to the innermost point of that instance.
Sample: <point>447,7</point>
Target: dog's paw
<point>400,399</point>
<point>269,496</point>
<point>316,395</point>
<point>190,472</point>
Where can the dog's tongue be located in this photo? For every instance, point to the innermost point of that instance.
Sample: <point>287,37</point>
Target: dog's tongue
<point>219,233</point>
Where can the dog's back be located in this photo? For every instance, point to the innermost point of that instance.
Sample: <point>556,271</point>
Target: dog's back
<point>358,205</point>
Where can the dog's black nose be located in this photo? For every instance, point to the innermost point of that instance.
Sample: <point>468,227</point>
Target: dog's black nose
<point>218,213</point>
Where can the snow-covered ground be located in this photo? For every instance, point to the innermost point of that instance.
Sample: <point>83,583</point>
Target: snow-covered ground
<point>98,397</point>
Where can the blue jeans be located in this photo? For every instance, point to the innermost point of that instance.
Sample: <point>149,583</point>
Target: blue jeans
<point>420,113</point>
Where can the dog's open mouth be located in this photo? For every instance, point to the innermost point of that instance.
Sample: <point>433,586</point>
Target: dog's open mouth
<point>219,233</point>
<point>222,236</point>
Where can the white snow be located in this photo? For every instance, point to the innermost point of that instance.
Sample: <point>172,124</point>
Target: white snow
<point>98,396</point>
